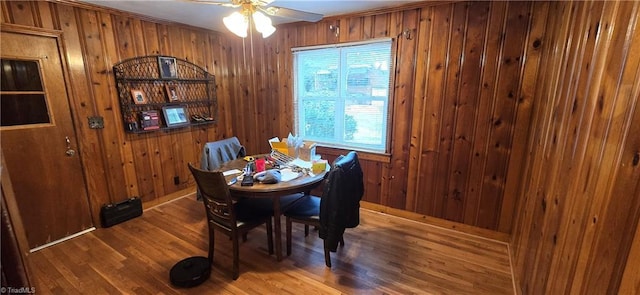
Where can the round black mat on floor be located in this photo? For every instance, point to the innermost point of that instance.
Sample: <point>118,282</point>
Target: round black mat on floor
<point>190,272</point>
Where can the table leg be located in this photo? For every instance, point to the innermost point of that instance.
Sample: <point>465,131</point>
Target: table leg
<point>277,231</point>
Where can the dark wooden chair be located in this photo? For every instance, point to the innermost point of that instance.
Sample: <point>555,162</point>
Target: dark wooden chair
<point>338,208</point>
<point>307,212</point>
<point>215,153</point>
<point>226,215</point>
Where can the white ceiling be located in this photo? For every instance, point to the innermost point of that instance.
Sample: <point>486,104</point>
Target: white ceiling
<point>210,16</point>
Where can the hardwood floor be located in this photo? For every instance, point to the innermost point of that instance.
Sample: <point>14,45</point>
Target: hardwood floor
<point>384,255</point>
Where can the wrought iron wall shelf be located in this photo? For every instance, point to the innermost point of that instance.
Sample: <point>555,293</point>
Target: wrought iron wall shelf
<point>148,84</point>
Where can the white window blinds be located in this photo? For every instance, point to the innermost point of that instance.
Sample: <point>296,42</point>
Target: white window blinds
<point>341,94</point>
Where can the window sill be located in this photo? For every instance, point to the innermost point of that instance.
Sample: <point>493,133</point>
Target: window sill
<point>363,155</point>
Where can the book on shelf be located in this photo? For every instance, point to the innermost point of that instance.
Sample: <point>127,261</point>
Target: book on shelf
<point>149,120</point>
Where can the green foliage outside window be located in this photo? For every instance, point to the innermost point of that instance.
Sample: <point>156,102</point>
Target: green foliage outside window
<point>320,120</point>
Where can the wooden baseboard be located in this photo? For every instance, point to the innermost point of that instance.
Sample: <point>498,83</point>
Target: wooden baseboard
<point>170,197</point>
<point>468,229</point>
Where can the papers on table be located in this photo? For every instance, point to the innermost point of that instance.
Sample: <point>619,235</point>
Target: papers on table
<point>287,175</point>
<point>301,163</point>
<point>231,172</point>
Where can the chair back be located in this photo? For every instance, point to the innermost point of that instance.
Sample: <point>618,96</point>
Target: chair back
<point>351,176</point>
<point>216,197</point>
<point>215,153</point>
<point>340,202</point>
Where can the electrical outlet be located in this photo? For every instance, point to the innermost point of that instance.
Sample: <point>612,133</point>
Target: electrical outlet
<point>176,180</point>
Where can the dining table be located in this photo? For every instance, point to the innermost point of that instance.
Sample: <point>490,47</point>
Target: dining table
<point>302,185</point>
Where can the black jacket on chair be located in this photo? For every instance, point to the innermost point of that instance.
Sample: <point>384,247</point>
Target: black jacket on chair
<point>340,203</point>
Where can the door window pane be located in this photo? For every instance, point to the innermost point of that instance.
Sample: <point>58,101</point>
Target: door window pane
<point>22,109</point>
<point>22,99</point>
<point>20,75</point>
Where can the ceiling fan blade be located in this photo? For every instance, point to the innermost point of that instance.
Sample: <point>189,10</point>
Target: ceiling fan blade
<point>230,3</point>
<point>261,2</point>
<point>292,13</point>
<point>234,3</point>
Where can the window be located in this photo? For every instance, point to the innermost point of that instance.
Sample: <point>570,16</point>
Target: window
<point>341,94</point>
<point>22,98</point>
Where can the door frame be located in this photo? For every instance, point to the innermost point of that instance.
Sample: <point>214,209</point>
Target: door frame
<point>12,205</point>
<point>15,221</point>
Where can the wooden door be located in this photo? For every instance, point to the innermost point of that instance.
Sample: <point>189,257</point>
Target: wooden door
<point>39,141</point>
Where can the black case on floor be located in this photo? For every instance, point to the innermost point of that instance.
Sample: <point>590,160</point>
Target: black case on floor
<point>112,214</point>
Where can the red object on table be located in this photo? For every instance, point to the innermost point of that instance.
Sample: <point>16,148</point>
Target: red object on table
<point>260,165</point>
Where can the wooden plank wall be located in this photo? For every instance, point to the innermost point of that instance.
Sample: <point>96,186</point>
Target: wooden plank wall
<point>118,165</point>
<point>519,117</point>
<point>461,104</point>
<point>461,107</point>
<point>580,202</point>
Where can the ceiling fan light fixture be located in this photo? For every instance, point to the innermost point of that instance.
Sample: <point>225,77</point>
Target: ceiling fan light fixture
<point>259,13</point>
<point>260,19</point>
<point>267,31</point>
<point>263,24</point>
<point>237,23</point>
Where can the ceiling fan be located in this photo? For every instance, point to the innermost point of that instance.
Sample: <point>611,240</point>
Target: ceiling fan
<point>256,11</point>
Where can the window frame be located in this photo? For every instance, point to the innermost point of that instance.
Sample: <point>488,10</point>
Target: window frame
<point>30,92</point>
<point>341,96</point>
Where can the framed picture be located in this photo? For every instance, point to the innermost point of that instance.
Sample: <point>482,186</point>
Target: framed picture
<point>168,67</point>
<point>175,115</point>
<point>172,92</point>
<point>138,96</point>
